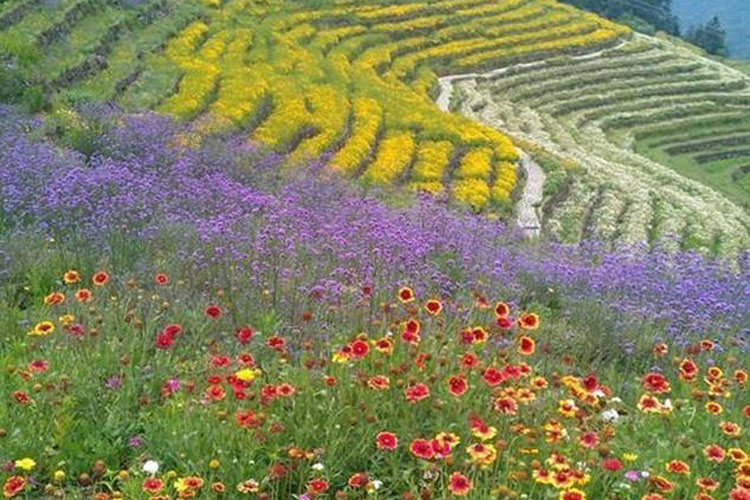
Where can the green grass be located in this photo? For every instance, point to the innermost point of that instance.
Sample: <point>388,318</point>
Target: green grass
<point>717,174</point>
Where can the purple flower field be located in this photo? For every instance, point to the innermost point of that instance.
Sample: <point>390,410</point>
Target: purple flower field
<point>323,237</point>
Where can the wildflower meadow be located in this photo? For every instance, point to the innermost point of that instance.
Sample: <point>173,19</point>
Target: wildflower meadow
<point>372,249</point>
<point>203,323</point>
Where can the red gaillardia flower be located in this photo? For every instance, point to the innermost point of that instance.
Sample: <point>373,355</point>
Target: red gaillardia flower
<point>405,294</point>
<point>213,311</point>
<point>84,295</point>
<point>161,279</point>
<point>526,345</point>
<point>71,277</point>
<point>244,334</point>
<point>528,321</point>
<point>100,278</point>
<point>417,392</point>
<point>13,486</point>
<point>459,484</point>
<point>359,348</point>
<point>386,441</point>
<point>502,310</point>
<point>457,385</point>
<point>317,486</point>
<point>714,453</point>
<point>433,307</point>
<point>655,383</point>
<point>422,448</point>
<point>677,467</point>
<point>152,485</point>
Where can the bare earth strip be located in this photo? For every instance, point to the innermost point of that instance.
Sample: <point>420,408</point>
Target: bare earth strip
<point>527,217</point>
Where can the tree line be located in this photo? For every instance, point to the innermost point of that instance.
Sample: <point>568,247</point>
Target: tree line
<point>657,15</point>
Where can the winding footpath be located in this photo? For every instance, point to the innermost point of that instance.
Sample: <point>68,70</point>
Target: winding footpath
<point>527,218</point>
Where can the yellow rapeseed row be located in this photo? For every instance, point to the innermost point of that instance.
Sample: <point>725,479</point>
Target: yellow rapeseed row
<point>357,81</point>
<point>330,113</point>
<point>367,123</point>
<point>477,163</point>
<point>199,70</point>
<point>433,159</point>
<point>393,156</point>
<point>505,181</point>
<point>474,193</point>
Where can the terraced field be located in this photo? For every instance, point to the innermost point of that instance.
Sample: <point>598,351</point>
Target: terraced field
<point>661,133</point>
<point>352,80</point>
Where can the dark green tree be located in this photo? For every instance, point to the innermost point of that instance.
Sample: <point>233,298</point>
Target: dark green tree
<point>710,36</point>
<point>656,13</point>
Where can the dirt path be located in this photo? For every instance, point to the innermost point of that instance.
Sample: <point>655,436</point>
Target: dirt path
<point>527,217</point>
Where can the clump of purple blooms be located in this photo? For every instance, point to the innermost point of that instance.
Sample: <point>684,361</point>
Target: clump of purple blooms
<point>323,235</point>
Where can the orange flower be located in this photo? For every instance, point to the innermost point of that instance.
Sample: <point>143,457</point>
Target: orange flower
<point>482,455</point>
<point>588,440</point>
<point>459,484</point>
<point>677,467</point>
<point>567,408</point>
<point>84,295</point>
<point>405,295</point>
<point>572,494</point>
<point>492,376</point>
<point>379,383</point>
<point>433,307</point>
<point>506,405</point>
<point>688,369</point>
<point>152,485</point>
<point>317,486</point>
<point>649,404</point>
<point>528,321</point>
<point>502,310</point>
<point>358,480</point>
<point>384,345</point>
<point>655,383</point>
<point>730,429</point>
<point>714,373</point>
<point>54,299</point>
<point>660,349</point>
<point>100,278</point>
<point>714,453</point>
<point>713,408</point>
<point>359,349</point>
<point>71,277</point>
<point>13,486</point>
<point>707,483</point>
<point>661,483</point>
<point>526,345</point>
<point>737,455</point>
<point>417,392</point>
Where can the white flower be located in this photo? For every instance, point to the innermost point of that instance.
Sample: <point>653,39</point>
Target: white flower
<point>610,415</point>
<point>377,483</point>
<point>667,404</point>
<point>151,466</point>
<point>318,466</point>
<point>616,400</point>
<point>645,473</point>
<point>599,393</point>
